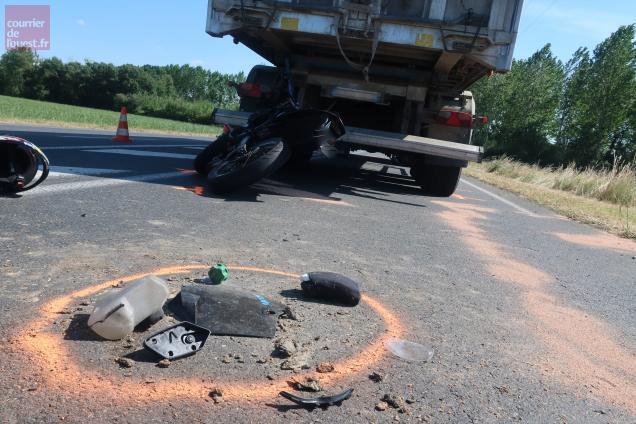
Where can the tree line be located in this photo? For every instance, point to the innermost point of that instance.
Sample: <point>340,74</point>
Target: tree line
<point>553,113</point>
<point>184,93</point>
<point>543,111</point>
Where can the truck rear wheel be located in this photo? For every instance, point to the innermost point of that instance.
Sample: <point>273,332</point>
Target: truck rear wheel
<point>436,180</point>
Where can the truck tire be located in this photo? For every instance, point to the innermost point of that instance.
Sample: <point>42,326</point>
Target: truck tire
<point>202,161</point>
<point>436,180</point>
<point>225,177</point>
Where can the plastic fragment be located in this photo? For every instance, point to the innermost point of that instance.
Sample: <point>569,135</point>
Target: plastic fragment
<point>410,351</point>
<point>227,310</point>
<point>178,341</point>
<point>331,287</point>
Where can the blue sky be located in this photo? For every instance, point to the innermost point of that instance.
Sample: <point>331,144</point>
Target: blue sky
<point>162,32</point>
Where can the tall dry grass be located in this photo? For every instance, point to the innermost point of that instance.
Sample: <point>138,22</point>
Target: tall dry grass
<point>617,186</point>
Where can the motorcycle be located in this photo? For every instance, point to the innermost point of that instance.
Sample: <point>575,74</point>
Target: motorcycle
<point>244,155</point>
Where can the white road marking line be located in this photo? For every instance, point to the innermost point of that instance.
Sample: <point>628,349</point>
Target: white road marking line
<point>146,153</point>
<point>102,182</point>
<point>501,199</point>
<point>154,138</point>
<point>67,171</point>
<point>129,146</point>
<point>85,136</point>
<point>195,148</point>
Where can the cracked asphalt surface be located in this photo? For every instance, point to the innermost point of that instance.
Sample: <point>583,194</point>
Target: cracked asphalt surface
<point>532,316</point>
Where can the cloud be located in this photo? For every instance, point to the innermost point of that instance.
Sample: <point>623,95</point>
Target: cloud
<point>81,22</point>
<point>197,62</point>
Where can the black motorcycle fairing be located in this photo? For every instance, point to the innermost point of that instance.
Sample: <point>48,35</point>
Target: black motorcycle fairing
<point>307,126</point>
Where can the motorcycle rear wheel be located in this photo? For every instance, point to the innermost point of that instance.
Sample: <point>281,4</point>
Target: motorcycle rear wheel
<point>264,158</point>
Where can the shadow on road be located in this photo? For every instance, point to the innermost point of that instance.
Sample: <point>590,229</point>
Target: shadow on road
<point>79,330</point>
<point>298,294</point>
<point>10,195</point>
<point>143,355</point>
<point>325,180</point>
<point>285,408</point>
<point>321,180</point>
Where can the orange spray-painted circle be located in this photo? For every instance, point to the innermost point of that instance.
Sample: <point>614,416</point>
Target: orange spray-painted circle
<point>49,354</point>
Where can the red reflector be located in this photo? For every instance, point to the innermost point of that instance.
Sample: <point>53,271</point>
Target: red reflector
<point>226,128</point>
<point>455,119</point>
<point>248,89</point>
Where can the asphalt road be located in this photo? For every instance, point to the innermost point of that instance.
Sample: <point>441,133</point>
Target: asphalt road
<point>532,317</point>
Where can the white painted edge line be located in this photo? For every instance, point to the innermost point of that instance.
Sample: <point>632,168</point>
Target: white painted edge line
<point>102,182</point>
<point>128,146</point>
<point>154,137</point>
<point>146,153</point>
<point>501,199</point>
<point>68,171</point>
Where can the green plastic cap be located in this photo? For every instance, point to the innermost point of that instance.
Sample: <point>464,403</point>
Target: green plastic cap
<point>218,273</point>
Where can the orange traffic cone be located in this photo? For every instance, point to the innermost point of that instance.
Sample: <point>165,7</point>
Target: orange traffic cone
<point>122,129</point>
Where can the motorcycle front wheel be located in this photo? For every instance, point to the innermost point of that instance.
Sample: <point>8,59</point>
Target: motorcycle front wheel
<point>203,161</point>
<point>263,158</point>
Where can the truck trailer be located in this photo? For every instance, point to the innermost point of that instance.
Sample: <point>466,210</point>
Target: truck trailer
<point>396,71</point>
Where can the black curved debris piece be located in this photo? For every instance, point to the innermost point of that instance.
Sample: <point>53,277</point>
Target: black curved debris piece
<point>318,401</point>
<point>180,340</point>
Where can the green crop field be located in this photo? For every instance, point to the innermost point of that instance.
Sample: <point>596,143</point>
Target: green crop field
<point>25,111</point>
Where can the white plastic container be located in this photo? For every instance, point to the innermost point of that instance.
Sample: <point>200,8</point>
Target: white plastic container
<point>116,314</point>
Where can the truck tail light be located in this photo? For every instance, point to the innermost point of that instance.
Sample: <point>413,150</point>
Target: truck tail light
<point>455,119</point>
<point>248,89</point>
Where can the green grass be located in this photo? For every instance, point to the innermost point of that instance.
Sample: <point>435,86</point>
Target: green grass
<point>605,198</point>
<point>616,186</point>
<point>25,111</point>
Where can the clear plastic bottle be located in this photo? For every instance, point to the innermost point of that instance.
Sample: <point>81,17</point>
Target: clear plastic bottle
<point>116,314</point>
